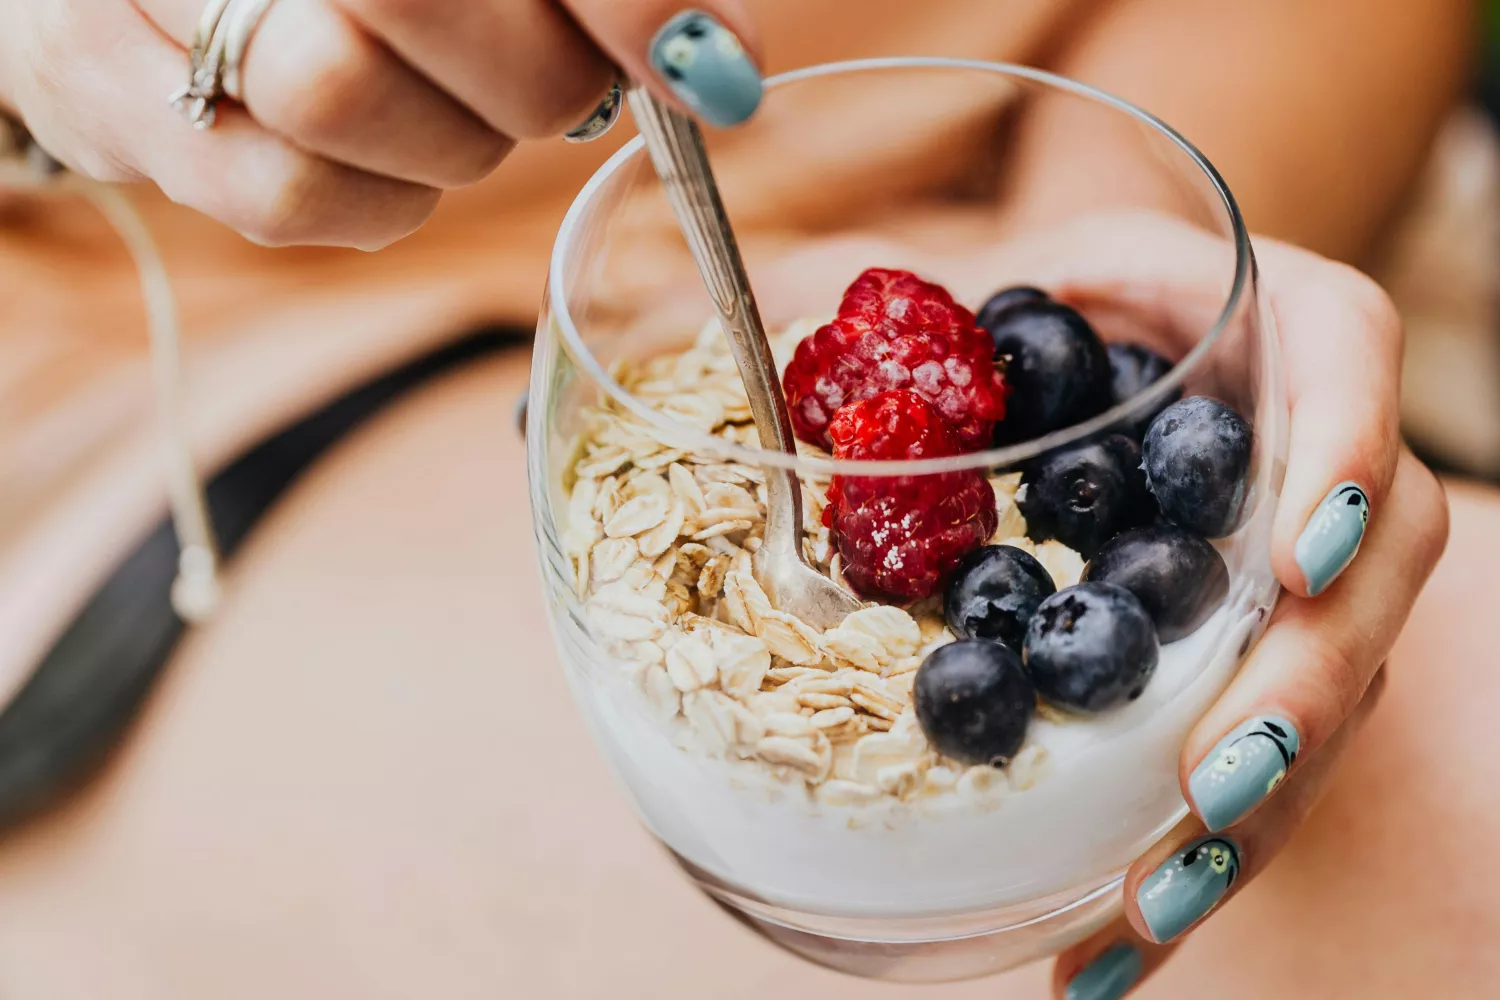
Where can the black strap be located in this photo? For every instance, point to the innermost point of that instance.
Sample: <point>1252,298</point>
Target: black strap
<point>91,683</point>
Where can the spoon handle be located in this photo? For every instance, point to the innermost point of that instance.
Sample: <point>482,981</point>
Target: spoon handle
<point>676,148</point>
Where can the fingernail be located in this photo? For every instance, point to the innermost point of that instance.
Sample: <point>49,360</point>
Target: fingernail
<point>603,118</point>
<point>1109,976</point>
<point>1332,536</point>
<point>1242,769</point>
<point>1189,884</point>
<point>707,68</point>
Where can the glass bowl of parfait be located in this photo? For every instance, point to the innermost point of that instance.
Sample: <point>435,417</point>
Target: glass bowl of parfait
<point>1041,428</point>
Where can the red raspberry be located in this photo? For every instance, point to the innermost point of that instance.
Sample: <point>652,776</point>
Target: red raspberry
<point>900,536</point>
<point>896,331</point>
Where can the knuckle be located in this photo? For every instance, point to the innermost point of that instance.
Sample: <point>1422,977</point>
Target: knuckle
<point>283,212</point>
<point>1373,306</point>
<point>99,165</point>
<point>1334,671</point>
<point>316,102</point>
<point>49,73</point>
<point>479,158</point>
<point>53,51</point>
<point>1372,449</point>
<point>1426,506</point>
<point>402,221</point>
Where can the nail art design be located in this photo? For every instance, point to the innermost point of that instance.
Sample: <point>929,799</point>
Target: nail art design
<point>1331,539</point>
<point>707,68</point>
<point>1243,769</point>
<point>1109,976</point>
<point>1188,885</point>
<point>602,120</point>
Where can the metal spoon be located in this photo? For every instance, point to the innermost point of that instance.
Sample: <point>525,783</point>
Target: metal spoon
<point>676,148</point>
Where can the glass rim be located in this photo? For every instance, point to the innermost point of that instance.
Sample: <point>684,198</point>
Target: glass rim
<point>690,438</point>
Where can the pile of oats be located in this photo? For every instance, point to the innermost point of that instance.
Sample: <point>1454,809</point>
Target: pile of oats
<point>661,539</point>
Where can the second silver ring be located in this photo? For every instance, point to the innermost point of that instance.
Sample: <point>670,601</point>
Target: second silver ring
<point>244,17</point>
<point>217,56</point>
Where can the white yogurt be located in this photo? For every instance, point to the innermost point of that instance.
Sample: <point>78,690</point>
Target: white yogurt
<point>1109,789</point>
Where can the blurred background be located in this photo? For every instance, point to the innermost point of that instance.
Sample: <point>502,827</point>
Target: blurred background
<point>364,777</point>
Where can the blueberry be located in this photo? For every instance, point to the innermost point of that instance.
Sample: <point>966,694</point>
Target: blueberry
<point>1178,577</point>
<point>1086,494</point>
<point>974,701</point>
<point>1006,298</point>
<point>1091,647</point>
<point>1056,367</point>
<point>1197,459</point>
<point>1133,368</point>
<point>993,593</point>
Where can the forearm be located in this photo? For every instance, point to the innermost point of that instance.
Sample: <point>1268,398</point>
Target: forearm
<point>1318,112</point>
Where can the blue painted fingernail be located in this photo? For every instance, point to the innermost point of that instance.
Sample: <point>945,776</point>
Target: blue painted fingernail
<point>603,118</point>
<point>1332,536</point>
<point>1187,885</point>
<point>707,68</point>
<point>1244,768</point>
<point>1109,976</point>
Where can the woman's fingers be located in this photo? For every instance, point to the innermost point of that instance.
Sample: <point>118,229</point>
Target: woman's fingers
<point>1184,878</point>
<point>1312,666</point>
<point>523,66</point>
<point>333,89</point>
<point>360,111</point>
<point>237,172</point>
<point>315,77</point>
<point>700,52</point>
<point>1343,346</point>
<point>1343,359</point>
<point>1108,965</point>
<point>1190,873</point>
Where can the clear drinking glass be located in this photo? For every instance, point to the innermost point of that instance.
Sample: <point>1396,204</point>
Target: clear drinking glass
<point>782,767</point>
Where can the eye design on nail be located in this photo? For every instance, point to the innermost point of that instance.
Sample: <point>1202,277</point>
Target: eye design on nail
<point>1353,496</point>
<point>1278,736</point>
<point>1220,855</point>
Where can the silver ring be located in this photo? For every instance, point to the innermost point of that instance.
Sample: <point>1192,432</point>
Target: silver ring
<point>208,26</point>
<point>247,18</point>
<point>602,118</point>
<point>216,56</point>
<point>197,100</point>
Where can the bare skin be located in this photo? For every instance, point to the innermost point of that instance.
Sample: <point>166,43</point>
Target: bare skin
<point>1318,112</point>
<point>346,788</point>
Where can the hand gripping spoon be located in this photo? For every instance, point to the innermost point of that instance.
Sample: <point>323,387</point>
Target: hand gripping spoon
<point>676,148</point>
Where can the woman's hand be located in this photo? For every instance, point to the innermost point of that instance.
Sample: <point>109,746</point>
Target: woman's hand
<point>357,113</point>
<point>1261,758</point>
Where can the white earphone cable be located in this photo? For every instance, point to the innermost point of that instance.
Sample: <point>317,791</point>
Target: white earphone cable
<point>195,591</point>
